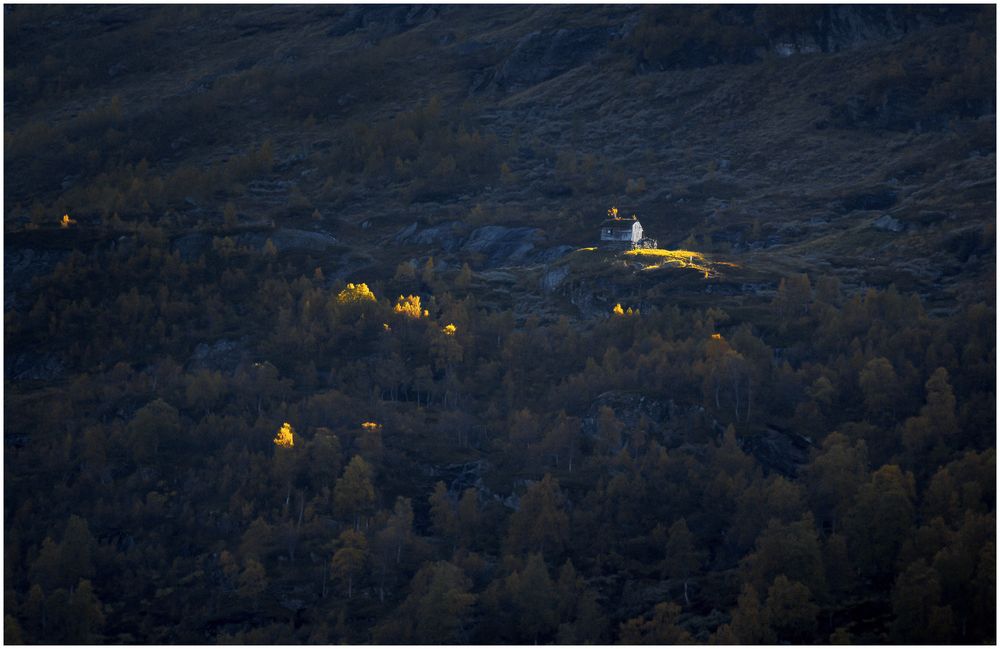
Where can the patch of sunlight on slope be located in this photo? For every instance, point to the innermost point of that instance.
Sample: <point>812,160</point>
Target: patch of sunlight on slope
<point>658,258</point>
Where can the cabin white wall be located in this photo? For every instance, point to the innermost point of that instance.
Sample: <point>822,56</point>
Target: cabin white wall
<point>633,235</point>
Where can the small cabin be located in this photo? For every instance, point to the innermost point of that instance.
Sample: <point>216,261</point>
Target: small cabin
<point>616,231</point>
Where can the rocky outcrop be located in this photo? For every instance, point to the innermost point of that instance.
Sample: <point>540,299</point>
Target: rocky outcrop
<point>459,477</point>
<point>779,450</point>
<point>549,255</point>
<point>444,235</point>
<point>501,245</point>
<point>630,408</point>
<point>843,27</point>
<point>504,246</point>
<point>542,55</point>
<point>886,223</point>
<point>29,366</point>
<point>553,278</point>
<point>221,355</point>
<point>22,265</point>
<point>381,21</point>
<point>288,240</point>
<point>495,245</point>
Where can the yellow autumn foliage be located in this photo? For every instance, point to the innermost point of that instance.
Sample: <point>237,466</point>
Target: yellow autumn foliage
<point>66,221</point>
<point>355,293</point>
<point>285,437</point>
<point>410,307</point>
<point>619,311</point>
<point>370,425</point>
<point>448,330</point>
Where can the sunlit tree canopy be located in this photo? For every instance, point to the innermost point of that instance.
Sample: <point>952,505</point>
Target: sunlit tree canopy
<point>285,437</point>
<point>619,311</point>
<point>355,293</point>
<point>410,307</point>
<point>448,330</point>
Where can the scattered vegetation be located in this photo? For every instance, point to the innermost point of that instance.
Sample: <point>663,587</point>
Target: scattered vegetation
<point>484,461</point>
<point>896,405</point>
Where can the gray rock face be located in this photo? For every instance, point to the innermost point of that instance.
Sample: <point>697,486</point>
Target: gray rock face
<point>459,477</point>
<point>553,278</point>
<point>223,354</point>
<point>542,55</point>
<point>886,223</point>
<point>22,265</point>
<point>381,21</point>
<point>404,235</point>
<point>32,367</point>
<point>779,450</point>
<point>629,408</point>
<point>843,27</point>
<point>445,235</point>
<point>501,245</point>
<point>287,239</point>
<point>797,44</point>
<point>550,255</point>
<point>847,27</point>
<point>497,244</point>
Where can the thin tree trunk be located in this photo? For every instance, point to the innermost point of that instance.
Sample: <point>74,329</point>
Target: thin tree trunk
<point>381,585</point>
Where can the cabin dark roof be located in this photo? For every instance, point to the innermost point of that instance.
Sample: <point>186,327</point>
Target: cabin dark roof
<point>618,224</point>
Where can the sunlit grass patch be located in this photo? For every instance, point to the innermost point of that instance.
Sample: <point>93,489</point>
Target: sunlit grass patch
<point>679,255</point>
<point>658,258</point>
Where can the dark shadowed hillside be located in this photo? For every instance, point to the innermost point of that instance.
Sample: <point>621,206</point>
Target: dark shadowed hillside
<point>310,336</point>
